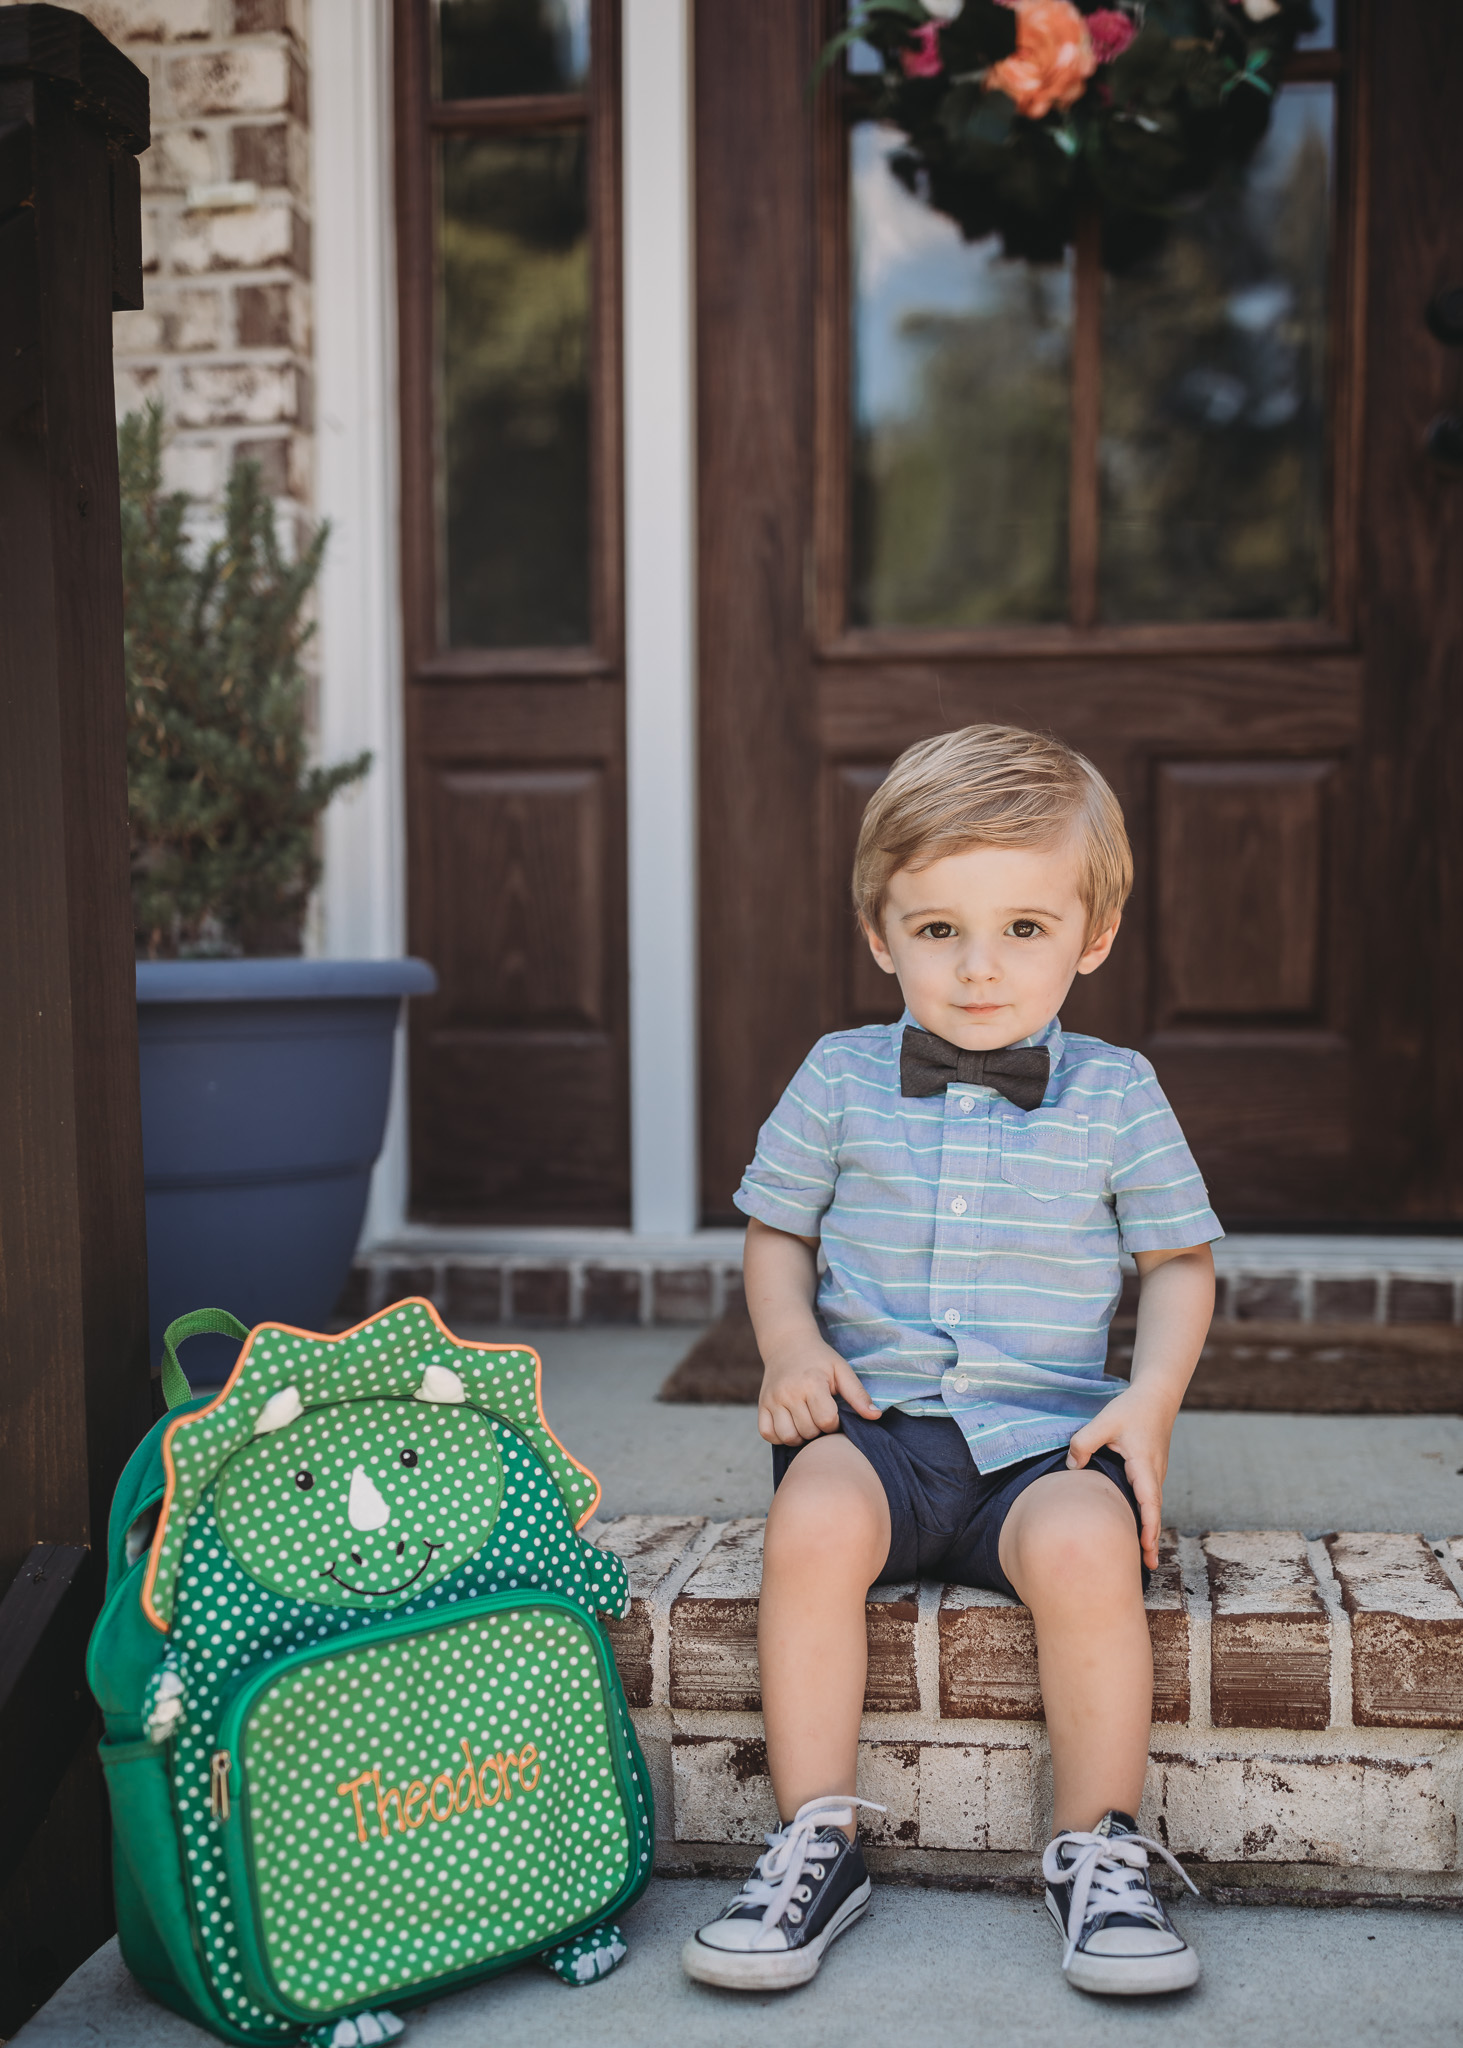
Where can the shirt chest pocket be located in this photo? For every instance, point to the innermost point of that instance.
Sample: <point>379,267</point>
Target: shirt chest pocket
<point>1045,1154</point>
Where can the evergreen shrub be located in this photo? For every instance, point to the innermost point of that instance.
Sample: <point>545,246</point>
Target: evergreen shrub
<point>222,799</point>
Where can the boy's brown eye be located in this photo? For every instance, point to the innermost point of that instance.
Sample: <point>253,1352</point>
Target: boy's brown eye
<point>1024,928</point>
<point>939,930</point>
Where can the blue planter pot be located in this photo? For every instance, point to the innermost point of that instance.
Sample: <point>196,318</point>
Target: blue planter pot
<point>264,1096</point>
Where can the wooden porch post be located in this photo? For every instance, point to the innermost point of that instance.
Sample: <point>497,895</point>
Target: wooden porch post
<point>74,1396</point>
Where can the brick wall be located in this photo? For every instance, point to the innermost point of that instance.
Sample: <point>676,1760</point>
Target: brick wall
<point>224,337</point>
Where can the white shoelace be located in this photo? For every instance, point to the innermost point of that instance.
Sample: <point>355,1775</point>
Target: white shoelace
<point>1102,1876</point>
<point>779,1869</point>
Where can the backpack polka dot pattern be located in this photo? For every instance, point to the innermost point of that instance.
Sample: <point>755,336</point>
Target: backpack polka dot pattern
<point>398,1753</point>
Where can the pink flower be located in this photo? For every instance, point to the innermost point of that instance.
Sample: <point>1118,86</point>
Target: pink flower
<point>1110,33</point>
<point>923,59</point>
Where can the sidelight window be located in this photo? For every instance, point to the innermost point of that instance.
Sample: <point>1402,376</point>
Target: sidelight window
<point>508,190</point>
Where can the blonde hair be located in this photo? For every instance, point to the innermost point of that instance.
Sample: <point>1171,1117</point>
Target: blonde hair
<point>992,785</point>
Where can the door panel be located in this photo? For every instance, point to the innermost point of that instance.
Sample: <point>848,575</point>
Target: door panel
<point>1265,765</point>
<point>1239,850</point>
<point>528,953</point>
<point>517,1062</point>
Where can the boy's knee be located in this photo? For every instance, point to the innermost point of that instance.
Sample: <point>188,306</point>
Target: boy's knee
<point>819,1520</point>
<point>1076,1539</point>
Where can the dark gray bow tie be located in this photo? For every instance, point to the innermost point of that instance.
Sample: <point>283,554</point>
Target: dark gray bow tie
<point>928,1064</point>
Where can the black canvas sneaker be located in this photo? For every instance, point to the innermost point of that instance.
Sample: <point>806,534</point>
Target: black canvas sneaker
<point>1119,1939</point>
<point>808,1886</point>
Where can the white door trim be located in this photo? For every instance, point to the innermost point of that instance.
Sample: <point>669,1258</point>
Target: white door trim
<point>362,912</point>
<point>660,612</point>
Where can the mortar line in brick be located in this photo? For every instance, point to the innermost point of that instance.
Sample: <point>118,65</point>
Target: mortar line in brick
<point>646,1307</point>
<point>575,1312</point>
<point>1384,1298</point>
<point>1308,1297</point>
<point>664,1599</point>
<point>506,1283</point>
<point>927,1650</point>
<point>1329,1588</point>
<point>1194,1573</point>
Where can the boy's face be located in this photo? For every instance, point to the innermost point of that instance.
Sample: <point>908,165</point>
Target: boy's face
<point>985,943</point>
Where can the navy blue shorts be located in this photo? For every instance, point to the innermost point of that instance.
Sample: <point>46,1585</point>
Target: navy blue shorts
<point>946,1517</point>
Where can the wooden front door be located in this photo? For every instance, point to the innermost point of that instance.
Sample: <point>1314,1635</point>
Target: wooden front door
<point>1184,519</point>
<point>507,154</point>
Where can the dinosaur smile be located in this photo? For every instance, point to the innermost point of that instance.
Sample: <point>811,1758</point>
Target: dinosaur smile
<point>380,1592</point>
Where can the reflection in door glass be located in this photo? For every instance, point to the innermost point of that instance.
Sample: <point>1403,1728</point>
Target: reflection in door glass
<point>512,387</point>
<point>1214,395</point>
<point>961,396</point>
<point>1323,35</point>
<point>492,49</point>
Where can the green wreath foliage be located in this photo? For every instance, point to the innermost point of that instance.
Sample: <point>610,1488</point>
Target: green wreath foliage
<point>222,802</point>
<point>1178,89</point>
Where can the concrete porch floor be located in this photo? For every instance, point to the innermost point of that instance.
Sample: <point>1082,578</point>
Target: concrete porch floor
<point>924,1967</point>
<point>1229,1471</point>
<point>934,1965</point>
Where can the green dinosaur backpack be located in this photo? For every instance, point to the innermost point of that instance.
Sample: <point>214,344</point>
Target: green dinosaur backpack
<point>365,1740</point>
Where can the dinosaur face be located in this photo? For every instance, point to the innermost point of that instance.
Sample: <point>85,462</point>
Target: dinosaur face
<point>361,1503</point>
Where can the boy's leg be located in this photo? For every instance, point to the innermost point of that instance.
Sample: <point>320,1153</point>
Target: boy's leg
<point>826,1542</point>
<point>1070,1548</point>
<point>827,1539</point>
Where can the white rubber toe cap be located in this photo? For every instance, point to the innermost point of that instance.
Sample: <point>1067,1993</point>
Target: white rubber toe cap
<point>743,1937</point>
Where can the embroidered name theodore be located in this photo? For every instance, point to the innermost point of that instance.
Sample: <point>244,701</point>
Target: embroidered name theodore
<point>487,1783</point>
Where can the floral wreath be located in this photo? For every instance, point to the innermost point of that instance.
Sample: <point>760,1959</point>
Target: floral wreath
<point>1023,116</point>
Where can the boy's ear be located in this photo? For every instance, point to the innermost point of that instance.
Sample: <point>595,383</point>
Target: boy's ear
<point>877,947</point>
<point>1098,948</point>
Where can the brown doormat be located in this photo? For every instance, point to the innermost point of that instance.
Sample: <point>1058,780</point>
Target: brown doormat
<point>1285,1368</point>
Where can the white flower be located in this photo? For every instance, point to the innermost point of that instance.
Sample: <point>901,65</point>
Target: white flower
<point>1261,10</point>
<point>943,10</point>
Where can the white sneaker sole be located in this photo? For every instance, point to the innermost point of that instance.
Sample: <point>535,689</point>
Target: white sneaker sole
<point>1128,1976</point>
<point>741,1969</point>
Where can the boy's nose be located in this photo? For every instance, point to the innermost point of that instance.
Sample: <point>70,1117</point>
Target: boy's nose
<point>366,1508</point>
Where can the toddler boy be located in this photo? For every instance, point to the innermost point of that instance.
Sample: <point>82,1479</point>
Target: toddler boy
<point>937,1209</point>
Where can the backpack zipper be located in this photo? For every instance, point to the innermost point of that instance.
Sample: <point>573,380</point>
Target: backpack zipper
<point>218,1784</point>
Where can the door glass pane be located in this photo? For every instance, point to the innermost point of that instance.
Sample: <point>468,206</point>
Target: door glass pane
<point>493,49</point>
<point>961,399</point>
<point>1323,35</point>
<point>512,381</point>
<point>1214,395</point>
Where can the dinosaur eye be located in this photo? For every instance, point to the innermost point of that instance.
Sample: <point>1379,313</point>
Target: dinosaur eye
<point>408,1457</point>
<point>304,1480</point>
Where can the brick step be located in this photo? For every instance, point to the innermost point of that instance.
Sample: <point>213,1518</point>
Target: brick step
<point>1308,1711</point>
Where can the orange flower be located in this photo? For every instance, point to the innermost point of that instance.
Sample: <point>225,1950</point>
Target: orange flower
<point>1053,58</point>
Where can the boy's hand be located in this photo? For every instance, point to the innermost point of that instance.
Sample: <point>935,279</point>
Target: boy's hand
<point>1138,1426</point>
<point>799,1382</point>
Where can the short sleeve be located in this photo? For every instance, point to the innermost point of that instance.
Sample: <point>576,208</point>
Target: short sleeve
<point>790,1182</point>
<point>1162,1202</point>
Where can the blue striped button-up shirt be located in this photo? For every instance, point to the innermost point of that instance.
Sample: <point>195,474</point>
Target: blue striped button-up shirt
<point>969,1249</point>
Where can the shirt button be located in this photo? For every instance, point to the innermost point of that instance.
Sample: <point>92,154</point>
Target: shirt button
<point>952,1315</point>
<point>960,1384</point>
<point>958,1205</point>
<point>967,1104</point>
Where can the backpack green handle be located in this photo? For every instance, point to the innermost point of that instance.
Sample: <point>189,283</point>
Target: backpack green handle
<point>203,1322</point>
